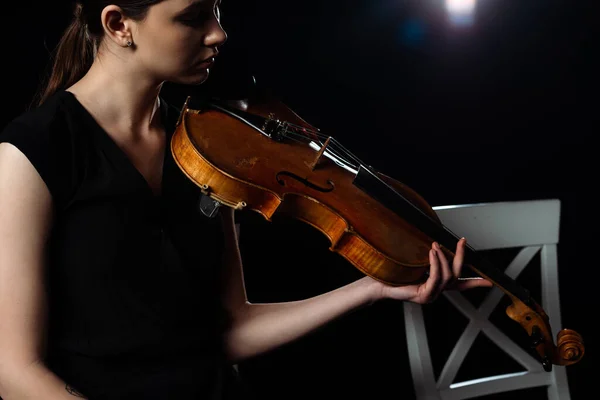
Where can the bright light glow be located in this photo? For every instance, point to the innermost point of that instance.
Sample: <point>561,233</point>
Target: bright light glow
<point>460,6</point>
<point>461,12</point>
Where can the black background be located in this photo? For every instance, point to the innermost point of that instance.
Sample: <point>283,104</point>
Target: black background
<point>502,110</point>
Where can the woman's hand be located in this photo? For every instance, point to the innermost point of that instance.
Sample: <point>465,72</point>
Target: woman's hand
<point>442,277</point>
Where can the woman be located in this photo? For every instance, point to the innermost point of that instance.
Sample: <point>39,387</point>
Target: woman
<point>113,284</point>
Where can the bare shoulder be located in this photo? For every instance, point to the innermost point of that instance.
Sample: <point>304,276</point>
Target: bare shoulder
<point>24,197</point>
<point>18,175</point>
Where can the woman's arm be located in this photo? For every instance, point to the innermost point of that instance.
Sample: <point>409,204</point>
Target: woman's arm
<point>258,328</point>
<point>25,219</point>
<point>34,381</point>
<point>263,327</point>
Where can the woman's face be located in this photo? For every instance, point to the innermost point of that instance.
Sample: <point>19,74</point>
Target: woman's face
<point>178,39</point>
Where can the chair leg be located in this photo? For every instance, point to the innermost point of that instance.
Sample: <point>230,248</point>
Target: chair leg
<point>559,389</point>
<point>418,353</point>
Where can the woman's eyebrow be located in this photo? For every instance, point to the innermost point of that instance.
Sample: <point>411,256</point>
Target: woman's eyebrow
<point>193,5</point>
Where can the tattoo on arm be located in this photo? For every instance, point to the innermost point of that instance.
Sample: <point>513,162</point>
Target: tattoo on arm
<point>73,391</point>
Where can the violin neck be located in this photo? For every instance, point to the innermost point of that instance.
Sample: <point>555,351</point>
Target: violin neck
<point>368,181</point>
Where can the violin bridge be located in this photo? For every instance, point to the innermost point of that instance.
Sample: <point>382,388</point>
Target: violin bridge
<point>314,164</point>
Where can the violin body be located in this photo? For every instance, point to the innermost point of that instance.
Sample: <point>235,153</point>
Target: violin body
<point>269,177</point>
<point>263,157</point>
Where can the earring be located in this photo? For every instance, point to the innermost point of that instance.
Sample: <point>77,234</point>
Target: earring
<point>129,44</point>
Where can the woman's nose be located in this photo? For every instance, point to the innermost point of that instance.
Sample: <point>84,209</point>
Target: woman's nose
<point>216,36</point>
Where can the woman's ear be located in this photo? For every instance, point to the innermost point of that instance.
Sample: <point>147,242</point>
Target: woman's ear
<point>118,28</point>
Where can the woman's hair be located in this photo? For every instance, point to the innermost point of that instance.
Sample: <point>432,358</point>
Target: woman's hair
<point>76,49</point>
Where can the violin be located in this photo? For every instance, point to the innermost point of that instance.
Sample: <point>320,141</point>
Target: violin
<point>277,163</point>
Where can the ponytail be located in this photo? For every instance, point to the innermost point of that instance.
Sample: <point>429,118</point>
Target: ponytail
<point>73,57</point>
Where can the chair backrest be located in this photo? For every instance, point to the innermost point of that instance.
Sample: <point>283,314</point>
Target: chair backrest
<point>531,226</point>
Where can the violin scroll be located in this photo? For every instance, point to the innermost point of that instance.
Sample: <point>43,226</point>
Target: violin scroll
<point>569,348</point>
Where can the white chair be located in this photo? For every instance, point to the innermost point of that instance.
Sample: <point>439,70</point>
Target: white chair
<point>531,225</point>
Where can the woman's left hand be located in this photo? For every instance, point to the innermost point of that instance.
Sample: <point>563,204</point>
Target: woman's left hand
<point>442,277</point>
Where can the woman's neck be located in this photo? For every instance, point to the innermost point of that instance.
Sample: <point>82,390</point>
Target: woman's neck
<point>124,99</point>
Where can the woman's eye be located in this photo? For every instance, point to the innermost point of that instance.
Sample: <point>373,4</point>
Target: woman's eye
<point>201,17</point>
<point>194,19</point>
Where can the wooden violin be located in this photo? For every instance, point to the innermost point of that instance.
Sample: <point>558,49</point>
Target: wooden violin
<point>262,156</point>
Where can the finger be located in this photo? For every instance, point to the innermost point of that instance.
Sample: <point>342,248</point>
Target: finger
<point>470,283</point>
<point>459,257</point>
<point>433,282</point>
<point>445,270</point>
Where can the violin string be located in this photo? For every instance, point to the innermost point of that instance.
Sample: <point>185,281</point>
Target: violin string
<point>295,139</point>
<point>306,133</point>
<point>333,144</point>
<point>335,150</point>
<point>347,152</point>
<point>292,134</point>
<point>323,136</point>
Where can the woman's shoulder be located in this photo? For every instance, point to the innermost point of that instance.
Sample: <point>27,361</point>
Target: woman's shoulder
<point>38,121</point>
<point>45,135</point>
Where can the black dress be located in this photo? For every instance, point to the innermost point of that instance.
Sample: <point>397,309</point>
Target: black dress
<point>132,277</point>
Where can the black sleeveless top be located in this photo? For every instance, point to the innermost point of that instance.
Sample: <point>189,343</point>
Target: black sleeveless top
<point>132,277</point>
